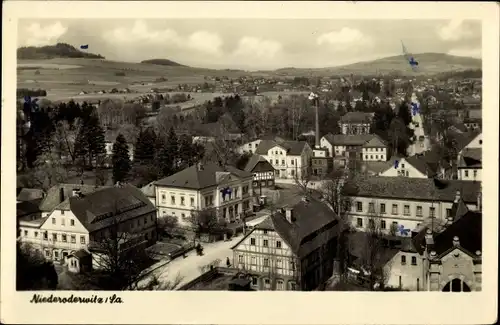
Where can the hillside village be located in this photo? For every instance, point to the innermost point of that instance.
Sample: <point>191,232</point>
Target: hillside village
<point>340,183</point>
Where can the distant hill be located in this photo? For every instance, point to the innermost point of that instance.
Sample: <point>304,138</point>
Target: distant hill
<point>60,50</point>
<point>163,62</point>
<point>429,63</point>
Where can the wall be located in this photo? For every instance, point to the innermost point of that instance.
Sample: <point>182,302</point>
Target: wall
<point>410,221</point>
<point>251,258</point>
<point>456,265</point>
<point>470,174</point>
<point>374,154</point>
<point>403,166</point>
<point>476,143</point>
<point>326,144</point>
<point>249,147</point>
<point>192,201</point>
<point>410,277</point>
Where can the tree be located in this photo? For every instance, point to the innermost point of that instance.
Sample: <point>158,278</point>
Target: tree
<point>90,141</point>
<point>399,136</point>
<point>48,171</point>
<point>145,148</point>
<point>168,154</point>
<point>404,113</point>
<point>166,225</point>
<point>120,159</point>
<point>205,221</point>
<point>33,272</point>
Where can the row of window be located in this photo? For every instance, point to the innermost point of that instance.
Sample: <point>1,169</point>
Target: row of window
<point>172,200</point>
<point>63,221</point>
<point>55,237</point>
<point>406,209</point>
<point>253,261</point>
<point>413,260</point>
<point>371,223</point>
<point>466,173</point>
<point>265,243</point>
<point>376,157</point>
<point>375,149</point>
<point>263,183</point>
<point>280,284</point>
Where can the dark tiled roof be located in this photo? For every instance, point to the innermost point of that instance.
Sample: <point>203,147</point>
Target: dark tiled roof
<point>53,194</point>
<point>330,138</point>
<point>25,208</point>
<point>420,165</point>
<point>309,218</point>
<point>81,253</point>
<point>357,117</point>
<point>375,142</point>
<point>209,175</point>
<point>351,139</point>
<point>91,210</point>
<point>411,189</point>
<point>258,163</point>
<point>29,194</point>
<point>378,166</point>
<point>473,153</point>
<point>292,147</point>
<point>463,139</point>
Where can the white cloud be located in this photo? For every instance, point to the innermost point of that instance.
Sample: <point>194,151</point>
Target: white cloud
<point>202,41</point>
<point>473,53</point>
<point>258,47</point>
<point>455,30</point>
<point>40,36</point>
<point>345,39</point>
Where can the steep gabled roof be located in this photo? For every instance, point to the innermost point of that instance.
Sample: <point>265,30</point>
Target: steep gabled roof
<point>375,142</point>
<point>29,194</point>
<point>351,139</point>
<point>193,178</point>
<point>294,148</point>
<point>52,199</point>
<point>255,160</point>
<point>469,231</point>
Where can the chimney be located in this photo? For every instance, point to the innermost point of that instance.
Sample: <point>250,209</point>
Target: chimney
<point>456,241</point>
<point>289,215</point>
<point>61,194</point>
<point>317,124</point>
<point>457,197</point>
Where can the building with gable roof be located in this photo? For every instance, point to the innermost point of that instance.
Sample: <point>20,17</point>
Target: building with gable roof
<point>290,159</point>
<point>292,249</point>
<point>201,187</point>
<point>402,202</point>
<point>469,160</point>
<point>263,172</point>
<point>375,149</point>
<point>79,221</point>
<point>356,123</point>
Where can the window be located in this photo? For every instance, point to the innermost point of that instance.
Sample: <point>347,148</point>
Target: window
<point>475,173</point>
<point>394,209</point>
<point>240,258</point>
<point>183,200</point>
<point>292,266</point>
<point>82,239</point>
<point>45,236</point>
<point>280,285</point>
<point>278,244</point>
<point>382,224</point>
<point>267,283</point>
<point>73,239</point>
<point>403,259</point>
<point>265,232</point>
<point>413,260</point>
<point>63,222</point>
<point>466,172</point>
<point>419,211</point>
<point>163,198</point>
<point>366,157</point>
<point>53,221</point>
<point>292,172</point>
<point>448,213</point>
<point>254,280</point>
<point>432,212</point>
<point>371,223</point>
<point>252,241</point>
<point>371,207</point>
<point>278,263</point>
<point>265,243</point>
<point>183,216</point>
<point>283,161</point>
<point>62,212</point>
<point>26,233</point>
<point>56,255</point>
<point>293,162</point>
<point>64,238</point>
<point>376,156</point>
<point>36,234</point>
<point>47,253</point>
<point>172,200</point>
<point>359,206</point>
<point>276,161</point>
<point>359,223</point>
<point>54,237</point>
<point>480,141</point>
<point>382,207</point>
<point>402,165</point>
<point>192,201</point>
<point>371,156</point>
<point>266,262</point>
<point>254,261</point>
<point>406,211</point>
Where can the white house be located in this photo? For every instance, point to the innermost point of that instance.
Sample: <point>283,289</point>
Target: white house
<point>356,123</point>
<point>80,221</point>
<point>403,202</point>
<point>290,159</point>
<point>205,186</point>
<point>469,162</point>
<point>366,147</point>
<point>249,147</point>
<point>375,150</point>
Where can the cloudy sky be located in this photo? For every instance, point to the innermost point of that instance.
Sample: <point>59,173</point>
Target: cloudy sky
<point>256,43</point>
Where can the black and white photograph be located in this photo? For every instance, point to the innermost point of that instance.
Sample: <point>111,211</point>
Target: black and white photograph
<point>258,154</point>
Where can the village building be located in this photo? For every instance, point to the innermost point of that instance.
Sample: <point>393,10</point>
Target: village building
<point>225,189</point>
<point>425,165</point>
<point>402,204</point>
<point>292,249</point>
<point>263,173</point>
<point>469,160</point>
<point>359,147</point>
<point>84,222</point>
<point>290,159</point>
<point>356,123</point>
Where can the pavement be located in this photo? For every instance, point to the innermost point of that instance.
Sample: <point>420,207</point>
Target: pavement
<point>189,268</point>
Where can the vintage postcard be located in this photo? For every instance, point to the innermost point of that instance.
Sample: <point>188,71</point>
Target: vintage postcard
<point>169,154</point>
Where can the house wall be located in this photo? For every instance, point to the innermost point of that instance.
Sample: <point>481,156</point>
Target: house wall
<point>470,174</point>
<point>327,145</point>
<point>476,143</point>
<point>272,267</point>
<point>403,169</point>
<point>410,221</point>
<point>249,147</point>
<point>178,203</point>
<point>407,275</point>
<point>375,154</point>
<point>289,166</point>
<point>455,265</point>
<point>355,128</point>
<point>263,179</point>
